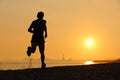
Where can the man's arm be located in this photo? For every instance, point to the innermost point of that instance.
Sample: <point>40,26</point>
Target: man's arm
<point>45,32</point>
<point>30,29</point>
<point>45,28</point>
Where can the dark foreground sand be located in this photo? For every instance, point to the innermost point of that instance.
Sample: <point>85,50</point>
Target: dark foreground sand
<point>110,71</point>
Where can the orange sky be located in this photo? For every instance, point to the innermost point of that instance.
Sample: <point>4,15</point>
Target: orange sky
<point>70,23</point>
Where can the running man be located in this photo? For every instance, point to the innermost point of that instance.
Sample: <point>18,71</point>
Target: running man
<point>39,30</point>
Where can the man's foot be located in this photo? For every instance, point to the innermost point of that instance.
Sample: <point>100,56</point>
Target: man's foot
<point>43,66</point>
<point>29,51</point>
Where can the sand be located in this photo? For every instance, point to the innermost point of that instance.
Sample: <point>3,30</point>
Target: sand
<point>109,71</point>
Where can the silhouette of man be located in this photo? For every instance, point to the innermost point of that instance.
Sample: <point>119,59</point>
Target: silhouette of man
<point>39,30</point>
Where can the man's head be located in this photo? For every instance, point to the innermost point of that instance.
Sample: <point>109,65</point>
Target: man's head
<point>40,15</point>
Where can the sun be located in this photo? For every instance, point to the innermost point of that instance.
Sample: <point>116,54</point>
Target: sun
<point>89,42</point>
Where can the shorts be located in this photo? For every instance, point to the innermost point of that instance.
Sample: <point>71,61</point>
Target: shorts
<point>38,39</point>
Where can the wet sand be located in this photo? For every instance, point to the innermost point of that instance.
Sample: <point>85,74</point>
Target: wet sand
<point>109,71</point>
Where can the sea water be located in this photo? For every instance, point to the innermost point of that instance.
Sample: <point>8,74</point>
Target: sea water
<point>12,65</point>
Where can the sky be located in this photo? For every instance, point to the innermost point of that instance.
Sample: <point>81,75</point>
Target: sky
<point>69,22</point>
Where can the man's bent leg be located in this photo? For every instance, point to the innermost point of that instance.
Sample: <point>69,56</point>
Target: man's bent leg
<point>31,49</point>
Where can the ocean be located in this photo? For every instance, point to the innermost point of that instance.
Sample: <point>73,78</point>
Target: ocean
<point>36,64</point>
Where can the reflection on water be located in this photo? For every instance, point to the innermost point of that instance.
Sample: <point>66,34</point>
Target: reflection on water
<point>89,62</point>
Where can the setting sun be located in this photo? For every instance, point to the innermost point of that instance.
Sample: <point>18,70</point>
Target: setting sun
<point>89,42</point>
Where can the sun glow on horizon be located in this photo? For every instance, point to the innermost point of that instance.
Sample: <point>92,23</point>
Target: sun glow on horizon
<point>89,62</point>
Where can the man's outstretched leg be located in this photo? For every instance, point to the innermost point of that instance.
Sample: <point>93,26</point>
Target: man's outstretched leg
<point>31,49</point>
<point>41,49</point>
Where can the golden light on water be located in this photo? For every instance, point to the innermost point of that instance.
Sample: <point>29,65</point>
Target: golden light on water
<point>89,62</point>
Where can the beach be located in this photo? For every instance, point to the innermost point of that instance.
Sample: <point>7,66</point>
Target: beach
<point>108,71</point>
